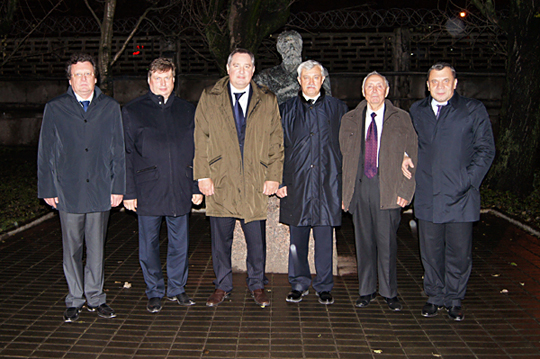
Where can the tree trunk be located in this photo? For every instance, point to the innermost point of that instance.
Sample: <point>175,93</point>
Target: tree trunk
<point>518,142</point>
<point>105,48</point>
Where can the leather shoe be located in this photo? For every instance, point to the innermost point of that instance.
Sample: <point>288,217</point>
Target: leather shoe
<point>216,298</point>
<point>296,296</point>
<point>325,298</point>
<point>394,304</point>
<point>154,305</point>
<point>103,310</point>
<point>430,310</point>
<point>364,300</point>
<point>455,313</point>
<point>71,314</point>
<point>182,299</point>
<point>260,297</point>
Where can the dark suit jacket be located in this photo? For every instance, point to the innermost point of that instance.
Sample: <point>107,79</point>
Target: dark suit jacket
<point>159,154</point>
<point>454,154</point>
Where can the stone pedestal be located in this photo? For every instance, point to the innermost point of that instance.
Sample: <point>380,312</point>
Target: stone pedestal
<point>277,245</point>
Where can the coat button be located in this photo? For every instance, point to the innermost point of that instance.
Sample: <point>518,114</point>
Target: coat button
<point>87,180</point>
<point>86,149</point>
<point>85,121</point>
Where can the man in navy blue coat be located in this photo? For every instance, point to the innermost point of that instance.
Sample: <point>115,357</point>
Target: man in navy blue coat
<point>159,159</point>
<point>311,189</point>
<point>455,151</point>
<point>81,173</point>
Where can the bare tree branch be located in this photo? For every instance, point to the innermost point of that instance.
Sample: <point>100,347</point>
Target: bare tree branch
<point>92,12</point>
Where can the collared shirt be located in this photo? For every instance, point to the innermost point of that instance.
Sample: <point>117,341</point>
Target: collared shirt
<point>379,119</point>
<point>435,103</point>
<point>243,100</point>
<point>79,98</point>
<point>311,98</point>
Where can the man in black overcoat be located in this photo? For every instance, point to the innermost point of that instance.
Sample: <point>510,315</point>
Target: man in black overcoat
<point>159,159</point>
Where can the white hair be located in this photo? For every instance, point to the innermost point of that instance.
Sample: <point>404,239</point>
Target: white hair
<point>308,65</point>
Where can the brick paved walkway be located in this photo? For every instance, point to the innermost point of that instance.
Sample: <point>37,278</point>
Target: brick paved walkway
<point>497,324</point>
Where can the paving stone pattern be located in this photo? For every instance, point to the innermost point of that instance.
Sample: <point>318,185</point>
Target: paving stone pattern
<point>497,324</point>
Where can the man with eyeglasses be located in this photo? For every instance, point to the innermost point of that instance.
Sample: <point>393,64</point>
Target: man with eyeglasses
<point>81,173</point>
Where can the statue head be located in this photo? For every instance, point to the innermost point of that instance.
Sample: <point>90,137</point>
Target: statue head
<point>289,45</point>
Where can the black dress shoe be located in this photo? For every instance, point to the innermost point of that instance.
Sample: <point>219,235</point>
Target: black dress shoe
<point>154,305</point>
<point>430,310</point>
<point>182,299</point>
<point>295,296</point>
<point>456,313</point>
<point>103,310</point>
<point>394,304</point>
<point>71,314</point>
<point>364,300</point>
<point>325,298</point>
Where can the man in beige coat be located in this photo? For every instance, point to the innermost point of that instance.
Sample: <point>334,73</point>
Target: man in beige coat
<point>373,139</point>
<point>238,163</point>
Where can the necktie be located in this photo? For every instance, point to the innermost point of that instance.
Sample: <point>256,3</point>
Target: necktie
<point>370,160</point>
<point>438,111</point>
<point>239,117</point>
<point>310,101</point>
<point>85,105</point>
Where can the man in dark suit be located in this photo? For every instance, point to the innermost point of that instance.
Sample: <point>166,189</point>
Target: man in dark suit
<point>159,157</point>
<point>373,139</point>
<point>239,163</point>
<point>81,172</point>
<point>455,151</point>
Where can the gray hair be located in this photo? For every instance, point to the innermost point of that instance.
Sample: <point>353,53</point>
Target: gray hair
<point>308,65</point>
<point>241,51</point>
<point>440,66</point>
<point>371,74</point>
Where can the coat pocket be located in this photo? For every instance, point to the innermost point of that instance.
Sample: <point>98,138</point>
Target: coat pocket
<point>146,174</point>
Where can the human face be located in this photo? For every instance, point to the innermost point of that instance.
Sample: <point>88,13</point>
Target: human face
<point>82,79</point>
<point>161,83</point>
<point>240,70</point>
<point>441,84</point>
<point>375,91</point>
<point>311,81</point>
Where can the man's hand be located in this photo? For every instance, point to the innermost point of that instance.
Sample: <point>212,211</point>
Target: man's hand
<point>282,192</point>
<point>270,187</point>
<point>51,201</point>
<point>197,199</point>
<point>407,162</point>
<point>206,186</point>
<point>402,202</point>
<point>116,199</point>
<point>131,204</point>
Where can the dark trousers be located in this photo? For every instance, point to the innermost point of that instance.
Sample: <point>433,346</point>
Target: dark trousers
<point>79,229</point>
<point>177,253</point>
<point>445,249</point>
<point>299,272</point>
<point>375,232</point>
<point>222,231</point>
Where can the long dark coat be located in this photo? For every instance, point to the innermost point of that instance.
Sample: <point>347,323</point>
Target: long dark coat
<point>312,168</point>
<point>454,154</point>
<point>81,154</point>
<point>159,154</point>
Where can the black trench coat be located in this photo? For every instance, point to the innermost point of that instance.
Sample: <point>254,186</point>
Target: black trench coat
<point>159,154</point>
<point>312,168</point>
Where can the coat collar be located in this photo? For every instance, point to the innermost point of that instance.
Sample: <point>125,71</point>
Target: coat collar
<point>158,99</point>
<point>320,99</point>
<point>97,93</point>
<point>389,110</point>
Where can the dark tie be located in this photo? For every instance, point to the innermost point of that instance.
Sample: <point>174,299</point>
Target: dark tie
<point>85,105</point>
<point>370,161</point>
<point>310,101</point>
<point>438,111</point>
<point>239,117</point>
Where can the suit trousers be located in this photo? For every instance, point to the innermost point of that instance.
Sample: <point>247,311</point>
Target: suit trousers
<point>177,254</point>
<point>445,249</point>
<point>299,272</point>
<point>222,231</point>
<point>79,229</point>
<point>375,233</point>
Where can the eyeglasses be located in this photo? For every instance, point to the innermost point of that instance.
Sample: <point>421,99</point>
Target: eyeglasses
<point>80,75</point>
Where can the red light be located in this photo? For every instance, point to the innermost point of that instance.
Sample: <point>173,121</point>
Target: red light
<point>136,53</point>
